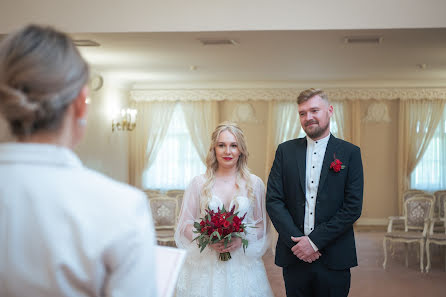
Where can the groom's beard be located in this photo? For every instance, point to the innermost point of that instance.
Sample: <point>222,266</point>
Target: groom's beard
<point>315,131</point>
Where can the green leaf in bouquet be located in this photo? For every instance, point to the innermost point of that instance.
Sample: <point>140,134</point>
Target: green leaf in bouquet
<point>197,226</point>
<point>215,234</point>
<point>226,241</point>
<point>244,244</point>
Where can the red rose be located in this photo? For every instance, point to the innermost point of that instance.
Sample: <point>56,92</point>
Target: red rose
<point>336,165</point>
<point>226,224</point>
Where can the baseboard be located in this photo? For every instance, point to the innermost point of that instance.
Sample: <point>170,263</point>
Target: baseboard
<point>372,222</point>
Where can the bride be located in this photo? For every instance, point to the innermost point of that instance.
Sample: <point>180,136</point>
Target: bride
<point>227,182</point>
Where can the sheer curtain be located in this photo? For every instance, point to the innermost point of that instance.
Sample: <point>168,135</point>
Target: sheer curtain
<point>337,121</point>
<point>430,172</point>
<point>201,119</point>
<point>151,126</point>
<point>284,124</point>
<point>177,161</point>
<point>418,120</point>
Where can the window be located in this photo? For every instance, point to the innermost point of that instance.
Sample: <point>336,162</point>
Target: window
<point>430,172</point>
<point>177,161</point>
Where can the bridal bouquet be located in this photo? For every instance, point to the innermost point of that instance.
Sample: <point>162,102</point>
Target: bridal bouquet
<point>220,225</point>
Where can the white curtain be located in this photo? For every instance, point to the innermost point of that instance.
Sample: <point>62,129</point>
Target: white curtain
<point>152,122</point>
<point>284,124</point>
<point>177,161</point>
<point>338,119</point>
<point>201,119</point>
<point>430,172</point>
<point>418,122</point>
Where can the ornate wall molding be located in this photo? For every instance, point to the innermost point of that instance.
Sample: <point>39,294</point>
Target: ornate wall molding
<point>286,94</point>
<point>244,113</point>
<point>377,112</point>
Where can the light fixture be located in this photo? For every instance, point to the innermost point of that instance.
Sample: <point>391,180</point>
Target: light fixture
<point>125,120</point>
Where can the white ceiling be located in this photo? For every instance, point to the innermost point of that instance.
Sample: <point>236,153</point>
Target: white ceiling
<point>271,58</point>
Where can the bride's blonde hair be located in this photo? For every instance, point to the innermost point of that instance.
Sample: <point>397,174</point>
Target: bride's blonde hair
<point>243,172</point>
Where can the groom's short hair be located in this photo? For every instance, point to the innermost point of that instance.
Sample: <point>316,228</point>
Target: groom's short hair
<point>310,93</point>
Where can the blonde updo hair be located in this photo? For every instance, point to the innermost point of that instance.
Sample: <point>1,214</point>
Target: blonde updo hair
<point>243,172</point>
<point>41,72</point>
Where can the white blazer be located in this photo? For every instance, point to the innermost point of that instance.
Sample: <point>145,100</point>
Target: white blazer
<point>66,230</point>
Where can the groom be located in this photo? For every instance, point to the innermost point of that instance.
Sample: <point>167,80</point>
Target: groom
<point>314,196</point>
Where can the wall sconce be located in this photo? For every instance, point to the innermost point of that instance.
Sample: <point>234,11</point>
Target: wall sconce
<point>125,120</point>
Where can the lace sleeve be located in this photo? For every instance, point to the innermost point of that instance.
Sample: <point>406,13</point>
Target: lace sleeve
<point>258,237</point>
<point>189,213</point>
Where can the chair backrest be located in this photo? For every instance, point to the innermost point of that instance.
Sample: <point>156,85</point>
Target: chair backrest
<point>418,209</point>
<point>410,193</point>
<point>164,212</point>
<point>174,193</point>
<point>440,197</point>
<point>152,193</point>
<point>180,199</point>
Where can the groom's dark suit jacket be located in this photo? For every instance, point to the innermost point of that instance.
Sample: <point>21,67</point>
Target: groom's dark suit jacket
<point>338,202</point>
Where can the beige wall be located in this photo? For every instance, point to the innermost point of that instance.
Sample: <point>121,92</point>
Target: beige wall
<point>378,144</point>
<point>101,149</point>
<point>255,133</point>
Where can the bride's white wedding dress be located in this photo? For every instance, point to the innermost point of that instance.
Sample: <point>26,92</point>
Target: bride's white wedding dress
<point>203,274</point>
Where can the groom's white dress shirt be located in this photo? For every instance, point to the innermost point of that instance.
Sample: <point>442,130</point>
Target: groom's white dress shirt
<point>66,230</point>
<point>315,158</point>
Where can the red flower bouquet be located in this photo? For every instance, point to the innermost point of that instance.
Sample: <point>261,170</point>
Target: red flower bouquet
<point>220,225</point>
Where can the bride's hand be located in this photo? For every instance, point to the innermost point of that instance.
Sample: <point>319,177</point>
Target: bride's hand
<point>236,243</point>
<point>218,247</point>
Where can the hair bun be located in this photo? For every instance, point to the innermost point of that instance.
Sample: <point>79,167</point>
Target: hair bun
<point>16,108</point>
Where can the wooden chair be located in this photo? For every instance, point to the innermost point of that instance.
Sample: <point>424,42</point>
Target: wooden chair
<point>439,210</point>
<point>398,222</point>
<point>174,193</point>
<point>165,216</point>
<point>438,238</point>
<point>152,193</point>
<point>418,211</point>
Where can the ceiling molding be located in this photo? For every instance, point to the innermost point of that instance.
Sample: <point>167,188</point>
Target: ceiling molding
<point>286,94</point>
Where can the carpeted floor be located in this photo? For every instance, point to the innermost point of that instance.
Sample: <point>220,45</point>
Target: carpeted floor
<point>369,279</point>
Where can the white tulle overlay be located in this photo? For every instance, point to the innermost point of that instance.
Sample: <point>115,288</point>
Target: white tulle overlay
<point>203,274</point>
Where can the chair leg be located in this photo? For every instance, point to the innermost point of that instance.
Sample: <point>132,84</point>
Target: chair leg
<point>428,256</point>
<point>422,255</point>
<point>385,252</point>
<point>406,250</point>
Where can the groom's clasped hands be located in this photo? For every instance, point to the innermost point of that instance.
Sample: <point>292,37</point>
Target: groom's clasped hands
<point>303,249</point>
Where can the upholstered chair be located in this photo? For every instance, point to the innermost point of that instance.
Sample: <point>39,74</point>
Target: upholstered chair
<point>418,211</point>
<point>165,215</point>
<point>174,193</point>
<point>440,197</point>
<point>152,193</point>
<point>434,237</point>
<point>398,222</point>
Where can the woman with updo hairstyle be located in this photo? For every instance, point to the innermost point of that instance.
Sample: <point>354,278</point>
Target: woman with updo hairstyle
<point>229,183</point>
<point>65,230</point>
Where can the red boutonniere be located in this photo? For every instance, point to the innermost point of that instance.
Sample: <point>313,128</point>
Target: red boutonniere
<point>336,165</point>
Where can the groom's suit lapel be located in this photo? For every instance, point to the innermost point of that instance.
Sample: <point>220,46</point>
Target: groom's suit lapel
<point>330,151</point>
<point>301,155</point>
